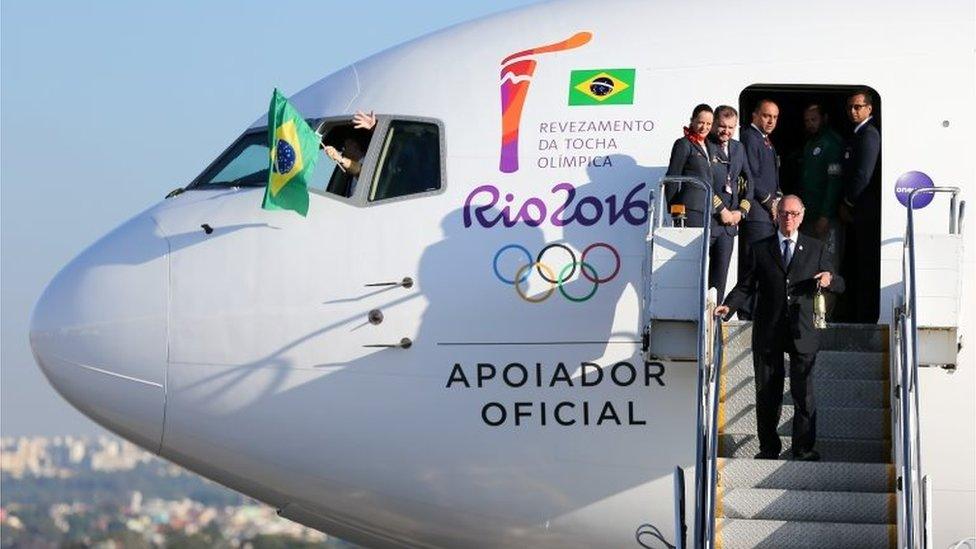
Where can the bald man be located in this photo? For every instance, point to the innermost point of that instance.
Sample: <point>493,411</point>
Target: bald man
<point>764,186</point>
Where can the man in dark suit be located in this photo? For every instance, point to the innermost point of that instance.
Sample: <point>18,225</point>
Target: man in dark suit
<point>783,273</point>
<point>764,167</point>
<point>730,203</point>
<point>861,209</point>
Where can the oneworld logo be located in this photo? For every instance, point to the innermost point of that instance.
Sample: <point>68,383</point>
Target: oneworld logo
<point>516,75</point>
<point>908,182</point>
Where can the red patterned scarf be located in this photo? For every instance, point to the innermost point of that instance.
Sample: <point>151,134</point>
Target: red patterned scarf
<point>695,138</point>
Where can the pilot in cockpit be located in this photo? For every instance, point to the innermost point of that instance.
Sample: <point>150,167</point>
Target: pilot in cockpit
<point>349,158</point>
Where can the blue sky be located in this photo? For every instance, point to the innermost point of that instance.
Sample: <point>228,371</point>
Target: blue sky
<point>107,106</point>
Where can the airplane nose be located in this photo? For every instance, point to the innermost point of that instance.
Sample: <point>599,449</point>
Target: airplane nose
<point>99,331</point>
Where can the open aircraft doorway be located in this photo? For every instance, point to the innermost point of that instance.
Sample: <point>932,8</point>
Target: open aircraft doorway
<point>817,157</point>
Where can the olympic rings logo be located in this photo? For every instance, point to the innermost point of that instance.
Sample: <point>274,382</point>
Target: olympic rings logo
<point>548,274</point>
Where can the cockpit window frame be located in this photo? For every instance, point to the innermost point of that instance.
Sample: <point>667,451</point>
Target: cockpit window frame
<point>370,163</point>
<point>196,185</point>
<point>379,137</point>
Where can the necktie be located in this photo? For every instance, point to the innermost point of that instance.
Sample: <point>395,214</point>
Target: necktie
<point>766,142</point>
<point>787,255</point>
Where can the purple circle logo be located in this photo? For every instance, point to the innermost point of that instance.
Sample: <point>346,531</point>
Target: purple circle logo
<point>908,182</point>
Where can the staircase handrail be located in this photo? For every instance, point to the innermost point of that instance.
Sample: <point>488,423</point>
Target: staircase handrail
<point>714,375</point>
<point>705,445</point>
<point>906,425</point>
<point>908,369</point>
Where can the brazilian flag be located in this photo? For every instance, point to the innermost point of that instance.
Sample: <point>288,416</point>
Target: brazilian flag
<point>294,151</point>
<point>602,87</point>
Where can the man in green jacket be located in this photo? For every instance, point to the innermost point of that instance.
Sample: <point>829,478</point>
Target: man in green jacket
<point>819,173</point>
<point>820,185</point>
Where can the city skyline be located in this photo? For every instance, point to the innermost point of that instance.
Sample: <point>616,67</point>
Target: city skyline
<point>87,489</point>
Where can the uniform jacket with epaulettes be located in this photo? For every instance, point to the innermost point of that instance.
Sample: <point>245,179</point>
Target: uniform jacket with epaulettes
<point>764,167</point>
<point>711,165</point>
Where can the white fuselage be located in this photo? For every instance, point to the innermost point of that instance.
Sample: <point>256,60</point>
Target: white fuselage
<point>242,354</point>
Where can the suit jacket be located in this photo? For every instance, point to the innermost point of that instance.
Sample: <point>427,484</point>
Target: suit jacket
<point>726,171</point>
<point>784,305</point>
<point>690,160</point>
<point>859,166</point>
<point>764,166</point>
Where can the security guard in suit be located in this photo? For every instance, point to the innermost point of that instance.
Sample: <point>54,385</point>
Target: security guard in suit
<point>861,209</point>
<point>783,274</point>
<point>764,167</point>
<point>730,174</point>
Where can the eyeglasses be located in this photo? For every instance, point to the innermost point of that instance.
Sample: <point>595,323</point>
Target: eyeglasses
<point>787,213</point>
<point>857,106</point>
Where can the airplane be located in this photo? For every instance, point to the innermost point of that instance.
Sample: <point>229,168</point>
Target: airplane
<point>495,337</point>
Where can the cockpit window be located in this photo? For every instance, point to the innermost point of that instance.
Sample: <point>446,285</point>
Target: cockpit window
<point>244,164</point>
<point>353,144</point>
<point>409,161</point>
<point>406,159</point>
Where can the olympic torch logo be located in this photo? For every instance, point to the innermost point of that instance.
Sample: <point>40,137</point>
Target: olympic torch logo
<point>516,75</point>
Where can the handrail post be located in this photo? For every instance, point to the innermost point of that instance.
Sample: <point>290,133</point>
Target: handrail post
<point>927,530</point>
<point>961,218</point>
<point>703,473</point>
<point>679,508</point>
<point>910,420</point>
<point>952,214</point>
<point>907,479</point>
<point>717,360</point>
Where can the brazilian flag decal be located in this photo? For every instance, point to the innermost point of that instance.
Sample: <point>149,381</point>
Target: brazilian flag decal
<point>294,151</point>
<point>602,87</point>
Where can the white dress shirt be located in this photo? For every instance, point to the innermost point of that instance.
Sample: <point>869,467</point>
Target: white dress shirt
<point>861,125</point>
<point>792,238</point>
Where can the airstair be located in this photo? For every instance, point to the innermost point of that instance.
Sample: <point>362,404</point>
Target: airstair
<point>867,490</point>
<point>847,499</point>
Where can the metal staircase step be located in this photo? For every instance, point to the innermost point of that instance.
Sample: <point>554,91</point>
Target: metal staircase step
<point>837,337</point>
<point>838,393</point>
<point>736,445</point>
<point>830,364</point>
<point>855,337</point>
<point>778,534</point>
<point>845,500</point>
<point>867,423</point>
<point>799,475</point>
<point>807,506</point>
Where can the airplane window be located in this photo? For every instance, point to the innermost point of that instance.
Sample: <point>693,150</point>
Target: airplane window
<point>410,160</point>
<point>250,165</point>
<point>244,164</point>
<point>353,144</point>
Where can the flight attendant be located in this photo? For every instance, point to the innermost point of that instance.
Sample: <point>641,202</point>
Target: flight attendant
<point>690,157</point>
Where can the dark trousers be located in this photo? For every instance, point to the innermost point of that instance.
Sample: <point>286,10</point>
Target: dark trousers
<point>719,252</point>
<point>719,257</point>
<point>769,370</point>
<point>749,233</point>
<point>863,263</point>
